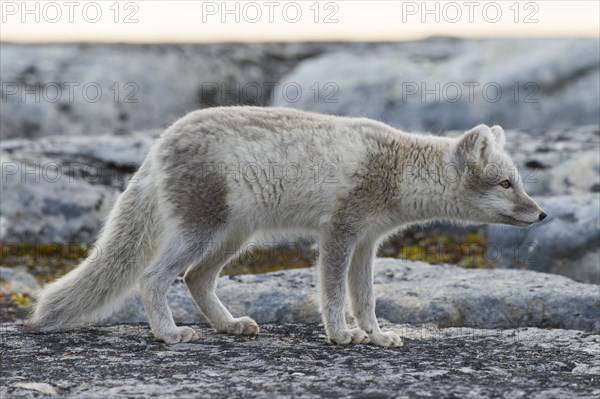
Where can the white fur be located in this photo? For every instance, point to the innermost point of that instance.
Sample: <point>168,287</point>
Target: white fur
<point>217,179</point>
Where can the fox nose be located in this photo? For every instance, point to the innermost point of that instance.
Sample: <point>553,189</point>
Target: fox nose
<point>542,216</point>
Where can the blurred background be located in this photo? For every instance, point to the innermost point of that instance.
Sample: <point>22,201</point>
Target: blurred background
<point>88,86</point>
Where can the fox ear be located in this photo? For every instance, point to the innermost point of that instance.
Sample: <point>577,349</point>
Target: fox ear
<point>498,133</point>
<point>476,144</point>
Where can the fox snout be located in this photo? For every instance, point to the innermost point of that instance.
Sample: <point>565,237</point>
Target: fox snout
<point>527,215</point>
<point>539,213</point>
<point>541,216</point>
<point>519,222</point>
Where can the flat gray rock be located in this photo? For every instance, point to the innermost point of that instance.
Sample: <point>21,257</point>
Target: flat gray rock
<point>296,361</point>
<point>407,292</point>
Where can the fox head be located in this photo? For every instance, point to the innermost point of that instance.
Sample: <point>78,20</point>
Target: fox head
<point>489,188</point>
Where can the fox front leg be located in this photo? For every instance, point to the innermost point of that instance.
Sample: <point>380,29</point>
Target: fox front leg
<point>334,259</point>
<point>362,297</point>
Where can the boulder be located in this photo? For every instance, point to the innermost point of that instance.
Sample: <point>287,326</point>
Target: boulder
<point>407,292</point>
<point>60,189</point>
<point>443,84</point>
<point>567,242</point>
<point>69,89</point>
<point>576,176</point>
<point>48,211</point>
<point>72,89</point>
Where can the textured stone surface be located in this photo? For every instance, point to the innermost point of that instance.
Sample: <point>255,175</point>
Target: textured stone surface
<point>407,292</point>
<point>295,361</point>
<point>90,89</point>
<point>36,209</point>
<point>567,242</point>
<point>443,84</point>
<point>60,189</point>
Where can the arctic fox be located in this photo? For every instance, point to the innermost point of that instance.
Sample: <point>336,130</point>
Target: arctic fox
<point>218,177</point>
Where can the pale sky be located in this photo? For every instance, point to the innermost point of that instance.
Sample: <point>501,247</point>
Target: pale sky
<point>162,21</point>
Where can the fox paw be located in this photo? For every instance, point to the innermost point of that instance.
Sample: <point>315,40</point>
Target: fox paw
<point>387,339</point>
<point>239,326</point>
<point>178,335</point>
<point>349,336</point>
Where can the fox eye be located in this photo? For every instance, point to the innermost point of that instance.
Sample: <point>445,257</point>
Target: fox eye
<point>505,184</point>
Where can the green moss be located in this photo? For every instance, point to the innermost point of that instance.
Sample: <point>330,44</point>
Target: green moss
<point>261,260</point>
<point>20,300</point>
<point>467,251</point>
<point>45,261</point>
<point>50,261</point>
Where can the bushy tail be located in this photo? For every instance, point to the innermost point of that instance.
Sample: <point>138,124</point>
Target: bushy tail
<point>109,274</point>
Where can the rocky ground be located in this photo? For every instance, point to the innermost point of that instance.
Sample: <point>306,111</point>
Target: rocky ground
<point>294,360</point>
<point>469,334</point>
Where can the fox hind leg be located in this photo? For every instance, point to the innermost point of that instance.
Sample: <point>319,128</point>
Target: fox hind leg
<point>201,280</point>
<point>155,284</point>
